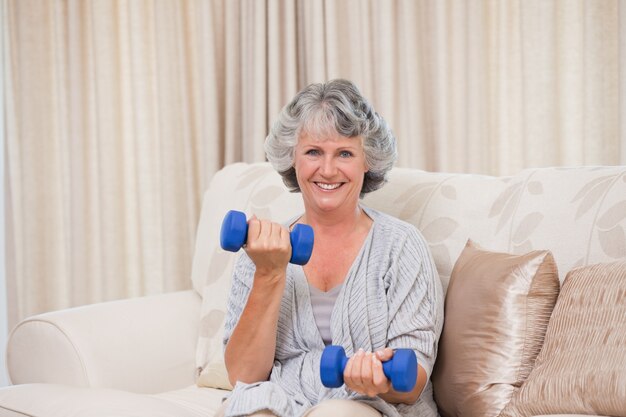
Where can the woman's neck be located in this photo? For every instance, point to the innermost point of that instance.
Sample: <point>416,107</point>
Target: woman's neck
<point>337,223</point>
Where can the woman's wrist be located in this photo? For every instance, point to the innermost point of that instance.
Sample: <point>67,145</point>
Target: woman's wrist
<point>269,280</point>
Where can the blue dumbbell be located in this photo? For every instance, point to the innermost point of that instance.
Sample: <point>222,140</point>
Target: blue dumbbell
<point>401,369</point>
<point>234,234</point>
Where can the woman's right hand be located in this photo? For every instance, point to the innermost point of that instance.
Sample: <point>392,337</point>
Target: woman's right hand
<point>269,247</point>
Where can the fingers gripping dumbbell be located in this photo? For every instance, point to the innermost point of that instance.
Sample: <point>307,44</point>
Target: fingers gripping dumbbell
<point>401,369</point>
<point>234,234</point>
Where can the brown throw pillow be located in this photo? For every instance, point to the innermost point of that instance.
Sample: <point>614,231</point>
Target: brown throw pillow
<point>582,366</point>
<point>497,309</point>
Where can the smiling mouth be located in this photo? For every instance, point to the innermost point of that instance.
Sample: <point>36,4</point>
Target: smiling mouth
<point>328,187</point>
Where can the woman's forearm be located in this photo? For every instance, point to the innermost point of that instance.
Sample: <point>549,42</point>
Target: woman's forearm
<point>395,397</point>
<point>249,354</point>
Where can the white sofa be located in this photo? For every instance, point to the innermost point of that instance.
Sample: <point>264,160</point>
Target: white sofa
<point>139,357</point>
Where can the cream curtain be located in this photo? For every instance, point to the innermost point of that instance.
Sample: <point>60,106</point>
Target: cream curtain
<point>118,112</point>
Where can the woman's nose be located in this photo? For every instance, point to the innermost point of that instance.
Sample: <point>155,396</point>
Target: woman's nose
<point>328,168</point>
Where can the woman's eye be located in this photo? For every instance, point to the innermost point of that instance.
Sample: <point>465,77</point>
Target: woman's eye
<point>312,152</point>
<point>345,154</point>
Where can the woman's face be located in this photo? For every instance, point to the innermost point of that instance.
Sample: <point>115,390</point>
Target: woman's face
<point>330,171</point>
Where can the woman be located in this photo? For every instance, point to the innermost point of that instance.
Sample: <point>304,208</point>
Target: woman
<point>370,285</point>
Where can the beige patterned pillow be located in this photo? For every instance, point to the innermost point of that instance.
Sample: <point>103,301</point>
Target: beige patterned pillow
<point>209,350</point>
<point>582,366</point>
<point>496,312</point>
<point>254,189</point>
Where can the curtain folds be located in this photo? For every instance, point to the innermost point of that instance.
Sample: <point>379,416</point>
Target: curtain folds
<point>118,112</point>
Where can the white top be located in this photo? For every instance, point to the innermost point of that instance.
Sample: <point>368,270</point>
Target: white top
<point>323,303</point>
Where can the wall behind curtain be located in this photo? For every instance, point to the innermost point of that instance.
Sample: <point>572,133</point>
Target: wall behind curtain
<point>119,112</point>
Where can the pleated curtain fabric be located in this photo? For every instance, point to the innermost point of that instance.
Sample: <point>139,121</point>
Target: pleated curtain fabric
<point>118,112</point>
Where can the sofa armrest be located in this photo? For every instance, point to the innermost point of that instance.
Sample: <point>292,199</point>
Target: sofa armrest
<point>143,345</point>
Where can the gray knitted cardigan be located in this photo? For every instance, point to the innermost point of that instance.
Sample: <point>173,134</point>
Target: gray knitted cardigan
<point>392,296</point>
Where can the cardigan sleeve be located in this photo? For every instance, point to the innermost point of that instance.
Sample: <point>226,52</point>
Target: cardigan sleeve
<point>415,300</point>
<point>243,274</point>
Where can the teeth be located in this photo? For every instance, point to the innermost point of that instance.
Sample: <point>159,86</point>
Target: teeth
<point>328,186</point>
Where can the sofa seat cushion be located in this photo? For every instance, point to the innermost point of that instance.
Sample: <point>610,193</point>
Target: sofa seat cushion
<point>54,400</point>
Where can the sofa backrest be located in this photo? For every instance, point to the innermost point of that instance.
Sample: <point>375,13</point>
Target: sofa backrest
<point>577,213</point>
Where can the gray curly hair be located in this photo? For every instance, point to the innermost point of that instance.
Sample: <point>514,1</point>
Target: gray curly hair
<point>325,108</point>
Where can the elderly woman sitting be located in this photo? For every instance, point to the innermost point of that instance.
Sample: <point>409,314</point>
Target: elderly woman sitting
<point>370,285</point>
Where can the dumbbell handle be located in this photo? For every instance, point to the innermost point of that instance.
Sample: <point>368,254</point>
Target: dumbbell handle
<point>234,234</point>
<point>401,369</point>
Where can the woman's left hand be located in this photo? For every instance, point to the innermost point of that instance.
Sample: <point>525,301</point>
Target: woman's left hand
<point>364,372</point>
